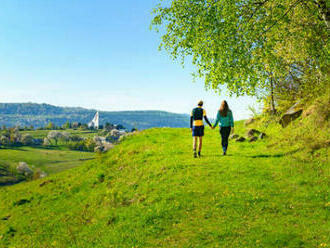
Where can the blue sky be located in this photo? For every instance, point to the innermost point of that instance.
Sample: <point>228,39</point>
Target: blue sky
<point>95,54</point>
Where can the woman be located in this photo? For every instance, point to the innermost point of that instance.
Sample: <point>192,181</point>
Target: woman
<point>225,118</point>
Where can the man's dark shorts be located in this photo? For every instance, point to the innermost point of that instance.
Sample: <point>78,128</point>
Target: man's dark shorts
<point>198,131</point>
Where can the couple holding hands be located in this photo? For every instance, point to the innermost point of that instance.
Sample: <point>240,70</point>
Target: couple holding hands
<point>224,118</point>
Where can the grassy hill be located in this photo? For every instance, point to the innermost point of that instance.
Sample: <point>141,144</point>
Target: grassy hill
<point>50,159</point>
<point>38,115</point>
<point>150,192</point>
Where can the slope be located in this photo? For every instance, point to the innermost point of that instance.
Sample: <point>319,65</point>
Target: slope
<point>149,192</point>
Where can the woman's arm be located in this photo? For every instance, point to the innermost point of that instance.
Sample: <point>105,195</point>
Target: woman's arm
<point>216,120</point>
<point>231,122</point>
<point>231,119</point>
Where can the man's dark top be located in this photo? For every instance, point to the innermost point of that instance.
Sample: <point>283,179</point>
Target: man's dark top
<point>196,118</point>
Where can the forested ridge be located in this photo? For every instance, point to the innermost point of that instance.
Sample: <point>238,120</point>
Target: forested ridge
<point>37,115</point>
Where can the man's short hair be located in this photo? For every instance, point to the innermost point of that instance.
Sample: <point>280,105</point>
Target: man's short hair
<point>200,103</point>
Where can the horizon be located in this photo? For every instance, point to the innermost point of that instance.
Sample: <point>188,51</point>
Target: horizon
<point>99,55</point>
<point>98,110</point>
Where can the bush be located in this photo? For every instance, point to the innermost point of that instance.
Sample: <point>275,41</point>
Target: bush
<point>76,145</point>
<point>87,145</point>
<point>4,140</point>
<point>27,140</point>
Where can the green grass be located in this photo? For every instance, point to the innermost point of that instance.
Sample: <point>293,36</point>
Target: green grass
<point>150,192</point>
<point>48,160</point>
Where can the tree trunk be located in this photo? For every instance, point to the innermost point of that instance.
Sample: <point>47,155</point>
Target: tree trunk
<point>272,103</point>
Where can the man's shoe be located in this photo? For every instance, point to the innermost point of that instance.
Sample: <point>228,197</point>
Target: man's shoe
<point>224,153</point>
<point>195,155</point>
<point>199,154</point>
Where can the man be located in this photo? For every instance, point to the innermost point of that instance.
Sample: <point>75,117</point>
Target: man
<point>197,126</point>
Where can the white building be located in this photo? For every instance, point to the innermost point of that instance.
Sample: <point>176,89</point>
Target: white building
<point>95,122</point>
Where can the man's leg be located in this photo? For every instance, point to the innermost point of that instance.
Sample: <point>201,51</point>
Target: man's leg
<point>194,145</point>
<point>200,145</point>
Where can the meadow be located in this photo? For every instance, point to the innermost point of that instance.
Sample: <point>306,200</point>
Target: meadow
<point>149,191</point>
<point>49,159</point>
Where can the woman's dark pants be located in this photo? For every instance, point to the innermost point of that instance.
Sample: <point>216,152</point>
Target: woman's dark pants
<point>224,132</point>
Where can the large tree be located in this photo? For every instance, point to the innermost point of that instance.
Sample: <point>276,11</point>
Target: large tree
<point>251,46</point>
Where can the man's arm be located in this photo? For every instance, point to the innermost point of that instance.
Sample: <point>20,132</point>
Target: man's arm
<point>191,121</point>
<point>205,117</point>
<point>207,121</point>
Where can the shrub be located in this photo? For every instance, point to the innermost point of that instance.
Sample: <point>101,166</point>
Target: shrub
<point>87,145</point>
<point>27,140</point>
<point>4,140</point>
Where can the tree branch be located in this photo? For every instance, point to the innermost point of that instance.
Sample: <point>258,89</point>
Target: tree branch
<point>285,14</point>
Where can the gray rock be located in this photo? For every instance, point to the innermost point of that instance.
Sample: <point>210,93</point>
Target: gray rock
<point>234,136</point>
<point>262,136</point>
<point>251,132</point>
<point>253,139</point>
<point>293,113</point>
<point>240,139</point>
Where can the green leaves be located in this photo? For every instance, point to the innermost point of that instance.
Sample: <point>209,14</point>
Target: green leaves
<point>239,43</point>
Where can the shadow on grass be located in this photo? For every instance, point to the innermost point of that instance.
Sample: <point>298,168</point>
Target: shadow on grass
<point>279,155</point>
<point>217,155</point>
<point>68,161</point>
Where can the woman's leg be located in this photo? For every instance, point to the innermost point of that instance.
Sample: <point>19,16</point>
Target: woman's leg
<point>227,134</point>
<point>222,133</point>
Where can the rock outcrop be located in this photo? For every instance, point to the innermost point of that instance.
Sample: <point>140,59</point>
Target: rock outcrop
<point>240,139</point>
<point>262,136</point>
<point>252,132</point>
<point>234,136</point>
<point>293,113</point>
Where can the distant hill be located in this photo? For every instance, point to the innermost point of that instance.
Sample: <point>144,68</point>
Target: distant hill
<point>26,114</point>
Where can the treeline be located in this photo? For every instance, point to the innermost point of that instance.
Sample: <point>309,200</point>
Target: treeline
<point>68,125</point>
<point>39,115</point>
